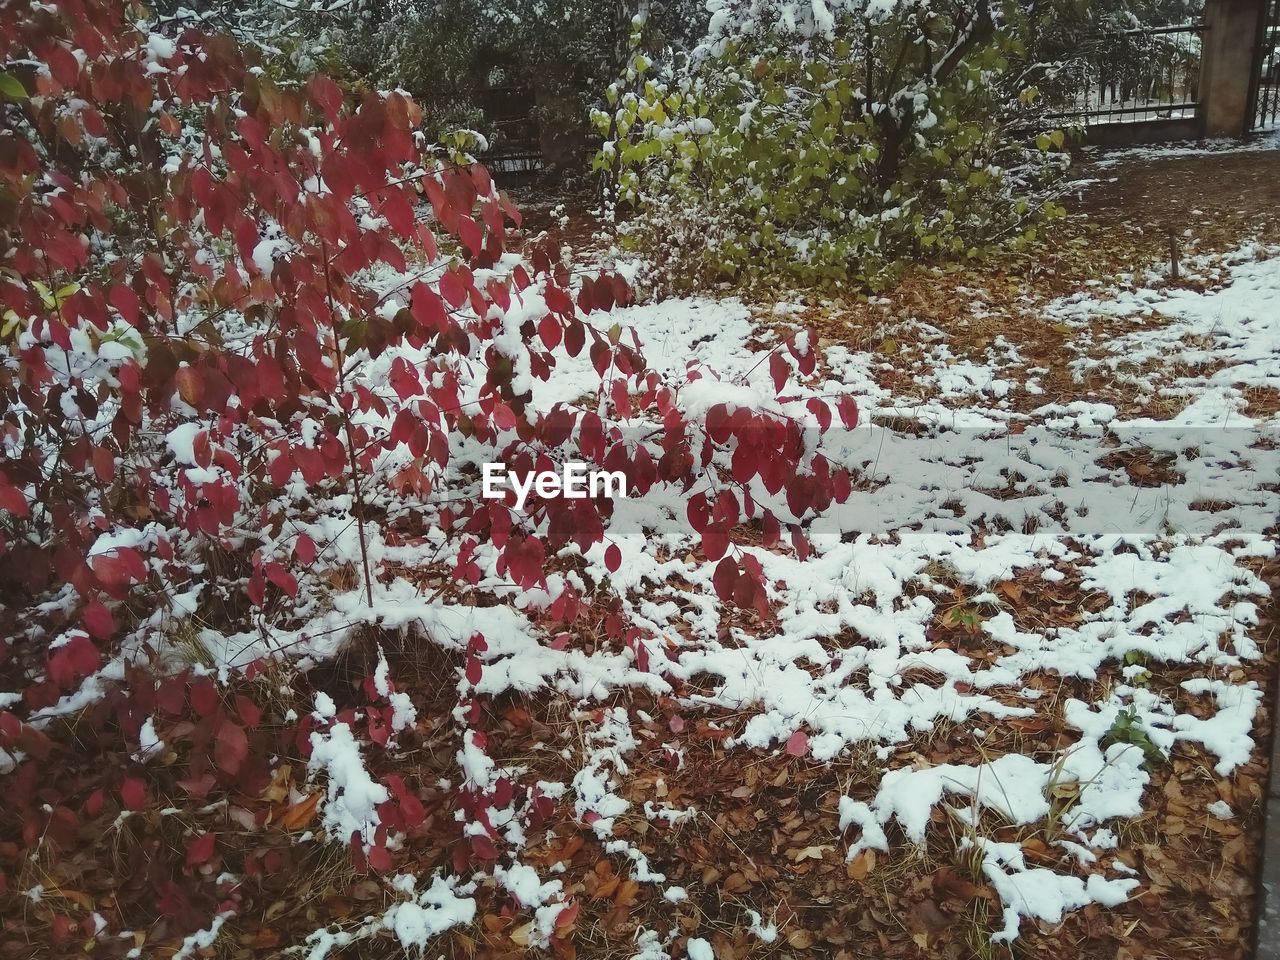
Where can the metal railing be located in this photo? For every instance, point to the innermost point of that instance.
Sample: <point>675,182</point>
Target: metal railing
<point>1266,73</point>
<point>1148,73</point>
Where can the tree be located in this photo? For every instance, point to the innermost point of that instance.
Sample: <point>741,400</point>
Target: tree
<point>444,52</point>
<point>830,140</point>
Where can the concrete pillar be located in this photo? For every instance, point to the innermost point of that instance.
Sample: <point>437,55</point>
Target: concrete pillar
<point>1226,66</point>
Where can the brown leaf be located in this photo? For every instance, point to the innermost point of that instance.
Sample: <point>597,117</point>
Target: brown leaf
<point>606,888</point>
<point>800,939</point>
<point>735,883</point>
<point>861,865</point>
<point>1011,589</point>
<point>809,853</point>
<point>299,814</point>
<point>948,883</point>
<point>616,918</point>
<point>265,938</point>
<point>926,918</point>
<point>281,780</point>
<point>626,894</point>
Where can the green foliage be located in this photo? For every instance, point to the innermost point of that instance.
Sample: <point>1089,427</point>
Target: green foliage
<point>1127,728</point>
<point>828,154</point>
<point>446,53</point>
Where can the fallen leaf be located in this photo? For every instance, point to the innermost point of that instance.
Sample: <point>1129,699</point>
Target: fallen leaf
<point>861,865</point>
<point>299,814</point>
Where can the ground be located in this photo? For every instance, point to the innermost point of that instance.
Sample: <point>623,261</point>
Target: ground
<point>984,718</point>
<point>957,342</point>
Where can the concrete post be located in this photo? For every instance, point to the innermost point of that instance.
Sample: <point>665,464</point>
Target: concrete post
<point>1226,66</point>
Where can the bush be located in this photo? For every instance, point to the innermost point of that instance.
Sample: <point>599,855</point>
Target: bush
<point>829,145</point>
<point>257,338</point>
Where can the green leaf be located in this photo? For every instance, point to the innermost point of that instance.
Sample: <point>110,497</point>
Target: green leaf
<point>12,87</point>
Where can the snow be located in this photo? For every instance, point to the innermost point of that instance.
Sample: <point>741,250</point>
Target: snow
<point>149,743</point>
<point>765,932</point>
<point>872,575</point>
<point>181,442</point>
<point>435,910</point>
<point>1040,893</point>
<point>1270,140</point>
<point>1221,809</point>
<point>403,712</point>
<point>352,794</point>
<point>851,658</point>
<point>200,941</point>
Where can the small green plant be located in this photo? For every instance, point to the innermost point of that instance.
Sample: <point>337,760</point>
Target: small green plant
<point>1128,728</point>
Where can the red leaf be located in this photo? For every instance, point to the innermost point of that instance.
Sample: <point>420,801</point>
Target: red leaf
<point>74,660</point>
<point>715,541</point>
<point>847,407</point>
<point>557,300</point>
<point>725,578</point>
<point>230,748</point>
<point>779,370</point>
<point>190,385</point>
<point>204,697</point>
<point>566,917</point>
<point>550,331</point>
<point>453,289</point>
<point>575,337</point>
<point>326,95</point>
<point>613,558</point>
<point>125,301</point>
<point>282,578</point>
<point>134,793</point>
<point>256,588</point>
<point>200,850</point>
<point>104,463</point>
<point>12,500</point>
<point>800,543</point>
<point>249,711</point>
<point>718,423</point>
<point>820,410</point>
<point>63,65</point>
<point>380,858</point>
<point>411,808</point>
<point>98,620</point>
<point>304,548</point>
<point>116,570</point>
<point>798,744</point>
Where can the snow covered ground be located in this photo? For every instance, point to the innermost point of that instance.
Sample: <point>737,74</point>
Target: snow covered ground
<point>952,522</point>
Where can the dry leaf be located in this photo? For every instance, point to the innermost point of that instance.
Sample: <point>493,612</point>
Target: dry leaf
<point>800,939</point>
<point>861,865</point>
<point>300,814</point>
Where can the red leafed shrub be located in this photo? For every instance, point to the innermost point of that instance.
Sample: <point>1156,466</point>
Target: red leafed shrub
<point>245,328</point>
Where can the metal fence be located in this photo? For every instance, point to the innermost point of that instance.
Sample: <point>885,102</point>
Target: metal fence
<point>508,102</point>
<point>1148,73</point>
<point>1266,74</point>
